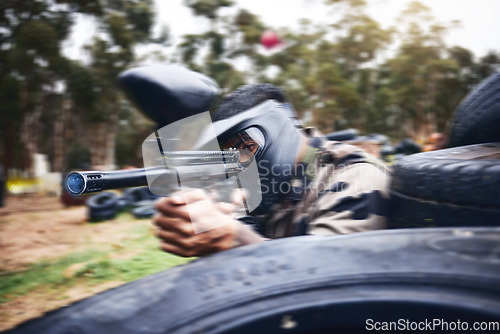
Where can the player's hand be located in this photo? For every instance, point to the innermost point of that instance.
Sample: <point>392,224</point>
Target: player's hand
<point>191,224</point>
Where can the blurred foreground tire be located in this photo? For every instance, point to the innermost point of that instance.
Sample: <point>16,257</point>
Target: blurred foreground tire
<point>102,206</point>
<point>477,118</point>
<point>452,187</point>
<point>308,284</point>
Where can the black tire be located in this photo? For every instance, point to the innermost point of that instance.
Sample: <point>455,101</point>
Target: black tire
<point>477,118</point>
<point>137,194</point>
<point>100,215</point>
<point>304,285</point>
<point>102,206</point>
<point>122,203</point>
<point>103,201</point>
<point>451,187</point>
<point>407,147</point>
<point>142,212</point>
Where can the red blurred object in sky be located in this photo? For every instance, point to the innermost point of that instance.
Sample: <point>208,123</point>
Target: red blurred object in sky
<point>269,39</point>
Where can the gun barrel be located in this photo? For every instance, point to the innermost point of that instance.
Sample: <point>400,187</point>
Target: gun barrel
<point>78,183</point>
<point>190,165</point>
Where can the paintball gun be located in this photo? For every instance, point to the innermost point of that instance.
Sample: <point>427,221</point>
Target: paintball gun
<point>167,95</point>
<point>203,167</point>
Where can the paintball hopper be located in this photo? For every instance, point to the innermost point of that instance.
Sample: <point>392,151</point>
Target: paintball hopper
<point>168,93</point>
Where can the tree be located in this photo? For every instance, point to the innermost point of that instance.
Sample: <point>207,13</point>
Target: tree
<point>208,8</point>
<point>218,43</point>
<point>325,68</point>
<point>98,101</point>
<point>420,72</point>
<point>35,76</point>
<point>488,64</point>
<point>356,52</point>
<point>30,66</point>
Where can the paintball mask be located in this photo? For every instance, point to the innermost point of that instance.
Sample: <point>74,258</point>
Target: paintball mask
<point>265,136</point>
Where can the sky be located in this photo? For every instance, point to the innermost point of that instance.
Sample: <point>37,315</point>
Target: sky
<point>478,32</point>
<point>479,18</point>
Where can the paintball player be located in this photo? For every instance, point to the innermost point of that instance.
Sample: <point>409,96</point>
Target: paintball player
<point>309,185</point>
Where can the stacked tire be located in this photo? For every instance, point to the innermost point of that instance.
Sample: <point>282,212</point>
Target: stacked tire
<point>142,201</point>
<point>477,118</point>
<point>460,185</point>
<point>102,206</point>
<point>457,186</point>
<point>106,205</point>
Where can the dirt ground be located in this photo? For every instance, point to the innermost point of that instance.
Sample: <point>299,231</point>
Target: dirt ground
<point>33,228</point>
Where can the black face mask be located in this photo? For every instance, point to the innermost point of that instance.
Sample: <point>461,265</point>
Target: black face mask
<point>275,159</point>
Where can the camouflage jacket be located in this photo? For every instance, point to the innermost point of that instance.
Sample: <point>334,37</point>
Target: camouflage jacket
<point>343,190</point>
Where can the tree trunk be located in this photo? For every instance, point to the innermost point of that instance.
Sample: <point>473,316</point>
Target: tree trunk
<point>428,120</point>
<point>102,137</point>
<point>110,158</point>
<point>97,144</point>
<point>9,145</point>
<point>59,135</point>
<point>30,128</point>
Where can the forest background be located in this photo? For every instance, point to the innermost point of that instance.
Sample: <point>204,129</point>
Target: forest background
<point>402,81</point>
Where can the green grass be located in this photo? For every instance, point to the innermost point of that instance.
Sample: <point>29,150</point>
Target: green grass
<point>147,261</point>
<point>141,257</point>
<point>49,273</point>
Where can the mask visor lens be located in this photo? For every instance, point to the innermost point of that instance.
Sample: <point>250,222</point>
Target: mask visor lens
<point>248,142</point>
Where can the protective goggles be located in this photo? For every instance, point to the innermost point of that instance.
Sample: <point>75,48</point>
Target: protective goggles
<point>248,142</point>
